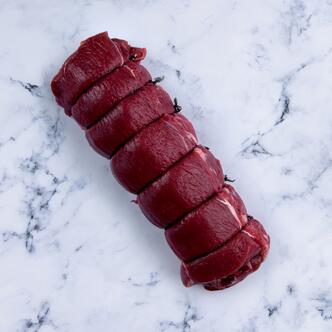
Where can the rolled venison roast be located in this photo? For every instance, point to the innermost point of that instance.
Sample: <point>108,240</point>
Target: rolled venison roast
<point>180,186</point>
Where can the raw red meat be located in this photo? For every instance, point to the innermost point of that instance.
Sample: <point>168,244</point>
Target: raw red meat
<point>180,185</point>
<point>152,151</point>
<point>205,228</point>
<point>130,116</point>
<point>106,93</point>
<point>233,261</point>
<point>183,187</point>
<point>96,57</point>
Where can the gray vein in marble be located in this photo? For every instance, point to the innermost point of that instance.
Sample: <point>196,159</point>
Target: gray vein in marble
<point>41,319</point>
<point>153,281</point>
<point>34,89</point>
<point>252,146</point>
<point>185,325</point>
<point>324,306</point>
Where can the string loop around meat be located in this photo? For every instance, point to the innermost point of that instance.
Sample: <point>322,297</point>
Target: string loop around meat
<point>177,107</point>
<point>227,179</point>
<point>158,79</point>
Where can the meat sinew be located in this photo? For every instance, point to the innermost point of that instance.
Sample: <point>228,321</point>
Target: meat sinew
<point>180,184</point>
<point>206,227</point>
<point>230,263</point>
<point>187,184</point>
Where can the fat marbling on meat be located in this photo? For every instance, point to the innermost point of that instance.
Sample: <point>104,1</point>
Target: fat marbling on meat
<point>205,228</point>
<point>230,263</point>
<point>183,187</point>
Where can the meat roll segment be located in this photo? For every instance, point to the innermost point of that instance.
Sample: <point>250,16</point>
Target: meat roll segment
<point>152,151</point>
<point>96,57</point>
<point>232,262</point>
<point>182,188</point>
<point>129,117</point>
<point>106,93</point>
<point>208,226</point>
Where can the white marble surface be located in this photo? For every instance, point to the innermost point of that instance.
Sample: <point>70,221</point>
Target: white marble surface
<point>255,77</point>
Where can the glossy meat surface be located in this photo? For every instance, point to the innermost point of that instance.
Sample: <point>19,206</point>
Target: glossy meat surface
<point>96,56</point>
<point>106,93</point>
<point>152,151</point>
<point>128,117</point>
<point>183,187</point>
<point>232,262</point>
<point>209,226</point>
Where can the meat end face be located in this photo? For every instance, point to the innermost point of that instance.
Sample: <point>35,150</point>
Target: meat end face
<point>232,262</point>
<point>182,188</point>
<point>152,151</point>
<point>96,57</point>
<point>126,119</point>
<point>209,226</point>
<point>109,91</point>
